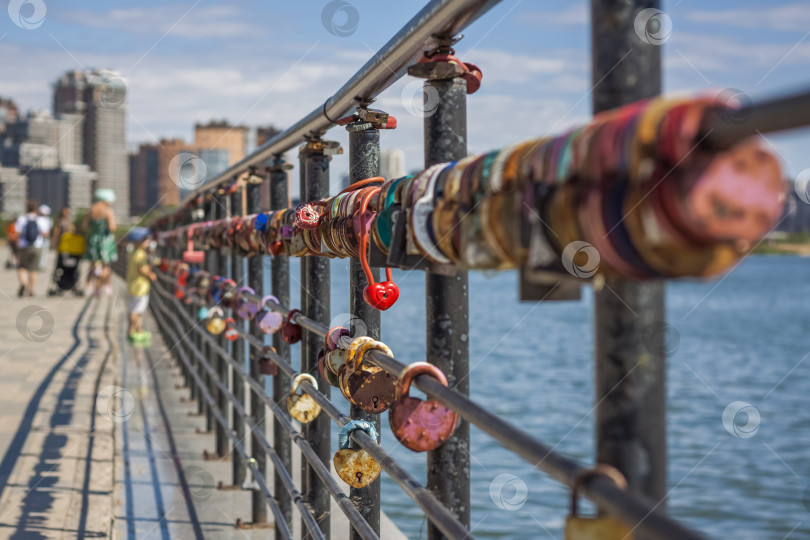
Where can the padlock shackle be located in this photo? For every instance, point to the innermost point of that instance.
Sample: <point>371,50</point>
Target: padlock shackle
<point>266,298</point>
<point>290,315</point>
<point>415,369</point>
<point>331,343</point>
<point>603,469</point>
<point>301,377</point>
<point>357,359</point>
<point>215,311</point>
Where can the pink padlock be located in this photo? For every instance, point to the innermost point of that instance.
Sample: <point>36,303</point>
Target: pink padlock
<point>421,425</point>
<point>267,320</point>
<point>246,308</point>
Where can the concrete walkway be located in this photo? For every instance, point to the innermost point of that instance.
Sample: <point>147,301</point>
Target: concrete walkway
<point>98,438</point>
<point>94,442</point>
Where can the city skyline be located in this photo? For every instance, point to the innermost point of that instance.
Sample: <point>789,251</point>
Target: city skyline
<point>187,62</point>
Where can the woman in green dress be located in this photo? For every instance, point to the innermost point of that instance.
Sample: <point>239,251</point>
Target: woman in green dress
<point>101,249</point>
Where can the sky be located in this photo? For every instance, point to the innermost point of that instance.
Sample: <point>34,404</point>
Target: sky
<point>257,62</point>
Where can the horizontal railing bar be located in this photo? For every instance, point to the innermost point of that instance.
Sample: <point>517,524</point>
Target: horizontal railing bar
<point>629,507</point>
<point>348,508</point>
<point>438,18</point>
<point>237,444</point>
<point>437,512</point>
<point>289,484</point>
<point>769,116</point>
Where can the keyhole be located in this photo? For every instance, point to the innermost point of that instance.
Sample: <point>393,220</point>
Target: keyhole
<point>359,476</point>
<point>374,400</point>
<point>306,415</point>
<point>385,295</point>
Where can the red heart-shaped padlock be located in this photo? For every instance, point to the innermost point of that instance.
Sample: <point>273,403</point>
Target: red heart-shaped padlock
<point>306,217</point>
<point>381,295</point>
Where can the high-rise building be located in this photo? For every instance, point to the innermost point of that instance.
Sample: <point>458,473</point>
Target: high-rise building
<point>222,135</point>
<point>99,97</point>
<point>13,191</point>
<point>68,186</point>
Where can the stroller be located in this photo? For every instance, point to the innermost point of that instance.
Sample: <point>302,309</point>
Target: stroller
<point>69,255</point>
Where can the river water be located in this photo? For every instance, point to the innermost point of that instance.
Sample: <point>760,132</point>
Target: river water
<point>739,344</point>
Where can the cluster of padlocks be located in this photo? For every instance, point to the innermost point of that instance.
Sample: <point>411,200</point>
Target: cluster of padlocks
<point>635,186</point>
<point>420,425</point>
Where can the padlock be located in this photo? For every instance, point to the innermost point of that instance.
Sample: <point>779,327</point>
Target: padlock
<point>267,320</point>
<point>306,217</point>
<point>202,313</point>
<point>356,467</point>
<point>216,323</point>
<point>290,332</point>
<point>601,526</point>
<point>421,425</point>
<point>231,333</point>
<point>229,293</point>
<point>381,295</point>
<point>368,386</point>
<point>325,372</point>
<point>266,364</point>
<point>245,307</point>
<point>191,256</point>
<point>302,406</point>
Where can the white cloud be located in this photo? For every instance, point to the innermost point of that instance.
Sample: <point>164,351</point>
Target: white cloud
<point>787,17</point>
<point>577,14</point>
<point>201,22</point>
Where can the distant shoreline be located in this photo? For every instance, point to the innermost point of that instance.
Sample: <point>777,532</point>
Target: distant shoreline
<point>801,249</point>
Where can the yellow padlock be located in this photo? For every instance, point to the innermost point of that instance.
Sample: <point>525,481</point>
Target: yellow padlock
<point>301,406</point>
<point>215,324</point>
<point>601,526</point>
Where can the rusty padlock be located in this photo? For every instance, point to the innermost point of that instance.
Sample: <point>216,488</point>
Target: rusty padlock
<point>325,372</point>
<point>267,320</point>
<point>356,467</point>
<point>421,425</point>
<point>368,386</point>
<point>601,526</point>
<point>246,308</point>
<point>301,406</point>
<point>290,332</point>
<point>266,364</point>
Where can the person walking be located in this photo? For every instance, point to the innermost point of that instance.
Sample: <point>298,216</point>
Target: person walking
<point>33,232</point>
<point>12,237</point>
<point>63,225</point>
<point>100,224</point>
<point>45,217</point>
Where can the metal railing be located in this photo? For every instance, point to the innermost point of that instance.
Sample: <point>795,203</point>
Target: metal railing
<point>216,372</point>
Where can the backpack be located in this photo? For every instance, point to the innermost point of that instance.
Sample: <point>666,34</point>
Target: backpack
<point>30,232</point>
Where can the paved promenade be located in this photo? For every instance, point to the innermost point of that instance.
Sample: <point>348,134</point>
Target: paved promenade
<point>98,438</point>
<point>94,439</point>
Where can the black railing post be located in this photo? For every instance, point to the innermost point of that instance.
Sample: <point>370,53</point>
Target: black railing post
<point>210,258</point>
<point>315,303</point>
<point>280,283</point>
<point>630,365</point>
<point>256,275</point>
<point>447,308</point>
<point>364,162</point>
<point>237,384</point>
<point>222,268</point>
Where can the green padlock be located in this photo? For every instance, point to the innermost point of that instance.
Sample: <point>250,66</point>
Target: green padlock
<point>600,526</point>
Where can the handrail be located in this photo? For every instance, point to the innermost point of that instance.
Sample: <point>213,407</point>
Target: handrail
<point>443,18</point>
<point>630,507</point>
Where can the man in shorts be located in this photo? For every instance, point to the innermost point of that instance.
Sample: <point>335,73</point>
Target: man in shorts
<point>32,229</point>
<point>139,278</point>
